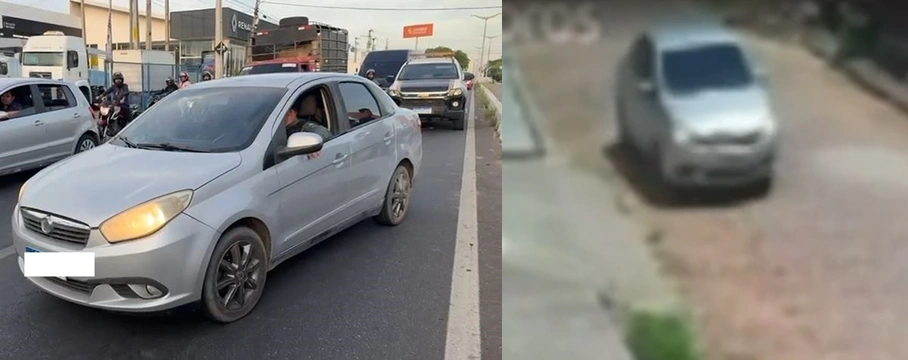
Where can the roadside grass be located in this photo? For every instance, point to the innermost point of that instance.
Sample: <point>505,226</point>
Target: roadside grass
<point>661,335</point>
<point>490,114</point>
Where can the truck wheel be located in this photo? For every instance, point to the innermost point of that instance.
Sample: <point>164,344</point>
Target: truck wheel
<point>459,123</point>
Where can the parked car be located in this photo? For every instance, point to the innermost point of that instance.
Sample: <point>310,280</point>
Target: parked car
<point>691,99</point>
<point>54,122</point>
<point>204,193</point>
<point>434,88</point>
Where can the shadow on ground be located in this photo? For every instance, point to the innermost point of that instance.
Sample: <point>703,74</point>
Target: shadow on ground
<point>643,179</point>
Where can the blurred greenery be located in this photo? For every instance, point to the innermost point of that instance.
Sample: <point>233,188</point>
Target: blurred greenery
<point>460,56</point>
<point>661,336</point>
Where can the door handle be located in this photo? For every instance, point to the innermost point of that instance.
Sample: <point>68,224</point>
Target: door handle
<point>77,115</point>
<point>38,123</point>
<point>339,159</point>
<point>388,137</point>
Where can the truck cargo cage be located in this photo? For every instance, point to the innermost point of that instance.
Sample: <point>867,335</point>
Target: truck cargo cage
<point>326,45</point>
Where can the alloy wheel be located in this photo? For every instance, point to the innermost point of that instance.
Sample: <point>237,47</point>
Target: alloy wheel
<point>238,276</point>
<point>400,195</point>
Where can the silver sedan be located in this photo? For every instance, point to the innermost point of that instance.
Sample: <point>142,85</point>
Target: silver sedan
<point>203,194</point>
<point>691,99</point>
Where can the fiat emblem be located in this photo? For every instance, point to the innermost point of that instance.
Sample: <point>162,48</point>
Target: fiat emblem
<point>47,225</point>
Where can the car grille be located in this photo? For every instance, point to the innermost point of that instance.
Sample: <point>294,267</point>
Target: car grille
<point>729,139</point>
<point>39,75</point>
<point>413,103</point>
<point>419,89</point>
<point>55,227</point>
<point>80,286</point>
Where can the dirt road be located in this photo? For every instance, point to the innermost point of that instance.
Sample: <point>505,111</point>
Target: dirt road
<point>814,271</point>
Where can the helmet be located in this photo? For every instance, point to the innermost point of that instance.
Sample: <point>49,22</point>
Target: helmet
<point>118,75</point>
<point>168,79</point>
<point>370,71</point>
<point>206,75</point>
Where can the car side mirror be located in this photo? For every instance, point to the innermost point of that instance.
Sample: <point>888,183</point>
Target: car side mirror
<point>301,143</point>
<point>468,76</point>
<point>4,115</point>
<point>390,79</point>
<point>646,87</point>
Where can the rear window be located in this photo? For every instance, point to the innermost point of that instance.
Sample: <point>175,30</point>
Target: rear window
<point>269,69</point>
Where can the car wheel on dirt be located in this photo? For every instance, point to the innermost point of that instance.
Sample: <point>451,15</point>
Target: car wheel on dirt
<point>235,276</point>
<point>397,198</point>
<point>86,142</point>
<point>458,123</point>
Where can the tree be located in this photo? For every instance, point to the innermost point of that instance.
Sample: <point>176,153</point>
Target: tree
<point>460,56</point>
<point>494,63</point>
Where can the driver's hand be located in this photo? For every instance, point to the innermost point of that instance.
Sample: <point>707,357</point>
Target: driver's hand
<point>314,155</point>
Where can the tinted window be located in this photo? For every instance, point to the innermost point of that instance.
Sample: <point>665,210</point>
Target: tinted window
<point>361,105</point>
<point>708,67</point>
<point>429,71</point>
<point>269,69</point>
<point>384,63</point>
<point>42,59</point>
<point>56,97</point>
<point>213,119</point>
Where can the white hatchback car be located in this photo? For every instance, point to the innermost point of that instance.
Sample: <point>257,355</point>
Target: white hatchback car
<point>53,120</point>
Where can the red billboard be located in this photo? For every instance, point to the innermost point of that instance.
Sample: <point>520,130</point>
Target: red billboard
<point>421,30</point>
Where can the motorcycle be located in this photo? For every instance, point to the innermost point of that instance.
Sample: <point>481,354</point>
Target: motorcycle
<point>111,119</point>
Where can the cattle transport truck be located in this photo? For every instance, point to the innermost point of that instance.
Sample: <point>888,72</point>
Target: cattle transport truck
<point>298,45</point>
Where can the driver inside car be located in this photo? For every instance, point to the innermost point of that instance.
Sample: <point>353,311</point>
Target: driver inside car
<point>10,105</point>
<point>306,120</point>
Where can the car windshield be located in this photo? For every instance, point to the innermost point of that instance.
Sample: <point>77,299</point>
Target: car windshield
<point>712,67</point>
<point>428,71</point>
<point>203,120</point>
<point>42,59</point>
<point>269,69</point>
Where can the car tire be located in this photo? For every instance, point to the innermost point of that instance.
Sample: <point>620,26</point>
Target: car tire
<point>763,187</point>
<point>458,123</point>
<point>221,280</point>
<point>87,142</point>
<point>397,198</point>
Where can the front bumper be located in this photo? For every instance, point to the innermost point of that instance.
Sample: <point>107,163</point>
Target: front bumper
<point>448,107</point>
<point>173,260</point>
<point>720,166</point>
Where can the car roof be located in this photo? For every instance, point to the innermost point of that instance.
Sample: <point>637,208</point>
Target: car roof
<point>687,33</point>
<point>23,81</point>
<point>276,80</point>
<point>439,60</point>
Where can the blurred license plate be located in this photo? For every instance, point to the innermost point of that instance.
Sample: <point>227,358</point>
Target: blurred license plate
<point>423,110</point>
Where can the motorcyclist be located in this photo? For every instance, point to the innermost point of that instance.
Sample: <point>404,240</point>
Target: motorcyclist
<point>169,88</point>
<point>206,76</point>
<point>370,74</point>
<point>184,80</point>
<point>118,94</point>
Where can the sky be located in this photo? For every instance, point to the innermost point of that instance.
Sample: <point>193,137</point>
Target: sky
<point>456,29</point>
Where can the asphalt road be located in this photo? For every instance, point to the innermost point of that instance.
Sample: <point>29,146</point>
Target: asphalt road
<point>814,271</point>
<point>371,292</point>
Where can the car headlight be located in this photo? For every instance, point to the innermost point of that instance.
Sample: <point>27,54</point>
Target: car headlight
<point>455,92</point>
<point>146,218</point>
<point>393,92</point>
<point>22,190</point>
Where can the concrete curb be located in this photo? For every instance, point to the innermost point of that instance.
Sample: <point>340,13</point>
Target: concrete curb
<point>496,105</point>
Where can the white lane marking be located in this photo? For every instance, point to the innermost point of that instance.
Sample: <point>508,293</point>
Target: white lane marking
<point>463,341</point>
<point>7,251</point>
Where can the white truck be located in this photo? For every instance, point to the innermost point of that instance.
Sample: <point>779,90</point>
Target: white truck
<point>57,56</point>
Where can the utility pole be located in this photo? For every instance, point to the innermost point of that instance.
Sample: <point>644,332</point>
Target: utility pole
<point>370,45</point>
<point>147,24</point>
<point>355,49</point>
<point>255,25</point>
<point>166,25</point>
<point>386,44</point>
<point>135,24</point>
<point>485,27</point>
<point>478,68</point>
<point>82,9</point>
<point>218,38</point>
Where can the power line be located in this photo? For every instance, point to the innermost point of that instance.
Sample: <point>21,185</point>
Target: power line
<point>382,9</point>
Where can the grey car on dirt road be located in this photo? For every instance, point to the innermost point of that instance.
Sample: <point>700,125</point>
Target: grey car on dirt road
<point>203,194</point>
<point>691,99</point>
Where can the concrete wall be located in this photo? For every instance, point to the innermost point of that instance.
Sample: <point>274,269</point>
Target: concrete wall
<point>96,23</point>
